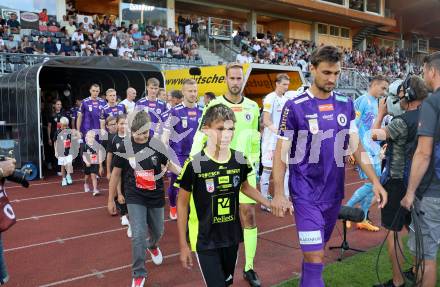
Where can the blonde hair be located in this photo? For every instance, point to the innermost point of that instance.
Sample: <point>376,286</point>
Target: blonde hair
<point>64,121</point>
<point>110,91</point>
<point>233,65</point>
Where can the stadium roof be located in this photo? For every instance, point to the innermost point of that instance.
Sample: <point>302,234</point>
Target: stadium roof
<point>418,16</point>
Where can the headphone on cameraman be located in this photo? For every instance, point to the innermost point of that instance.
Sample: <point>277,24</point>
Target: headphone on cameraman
<point>410,94</point>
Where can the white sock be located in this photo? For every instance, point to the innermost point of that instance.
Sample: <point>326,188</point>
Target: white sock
<point>286,184</point>
<point>264,182</point>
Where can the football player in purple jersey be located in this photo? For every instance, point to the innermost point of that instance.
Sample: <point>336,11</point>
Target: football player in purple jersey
<point>89,113</point>
<point>317,131</point>
<point>179,130</point>
<point>112,108</point>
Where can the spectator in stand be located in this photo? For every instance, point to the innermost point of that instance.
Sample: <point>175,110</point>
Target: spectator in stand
<point>2,26</point>
<point>88,25</point>
<point>13,24</point>
<point>50,47</point>
<point>39,46</point>
<point>86,49</point>
<point>26,46</point>
<point>2,45</point>
<point>43,17</point>
<point>11,45</point>
<point>113,43</point>
<point>243,57</point>
<point>181,24</point>
<point>77,37</point>
<point>66,49</point>
<point>70,28</point>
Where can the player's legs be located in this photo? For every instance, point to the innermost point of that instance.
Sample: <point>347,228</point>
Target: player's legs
<point>94,182</point>
<point>267,162</point>
<point>315,223</point>
<point>138,222</point>
<point>250,235</point>
<point>210,264</point>
<point>173,191</point>
<point>155,220</point>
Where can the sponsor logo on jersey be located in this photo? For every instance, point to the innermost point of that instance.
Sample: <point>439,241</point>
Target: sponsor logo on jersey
<point>192,113</point>
<point>310,237</point>
<point>328,117</point>
<point>342,120</point>
<point>326,108</point>
<point>312,116</point>
<point>210,187</point>
<point>341,98</point>
<point>358,114</point>
<point>152,105</point>
<point>236,109</point>
<point>223,180</point>
<point>313,126</point>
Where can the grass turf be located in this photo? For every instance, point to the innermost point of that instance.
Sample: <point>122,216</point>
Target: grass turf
<point>358,270</point>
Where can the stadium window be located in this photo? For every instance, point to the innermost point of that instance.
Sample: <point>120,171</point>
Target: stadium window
<point>423,46</point>
<point>373,6</point>
<point>322,29</point>
<point>339,2</point>
<point>357,5</point>
<point>345,32</point>
<point>334,31</point>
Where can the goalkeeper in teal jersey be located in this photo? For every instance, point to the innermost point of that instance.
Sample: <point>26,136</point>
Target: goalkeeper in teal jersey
<point>246,140</point>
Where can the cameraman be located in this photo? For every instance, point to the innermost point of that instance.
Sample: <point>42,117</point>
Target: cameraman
<point>7,168</point>
<point>424,181</point>
<point>401,139</point>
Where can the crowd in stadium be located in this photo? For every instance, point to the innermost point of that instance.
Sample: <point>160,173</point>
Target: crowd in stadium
<point>93,37</point>
<point>375,60</point>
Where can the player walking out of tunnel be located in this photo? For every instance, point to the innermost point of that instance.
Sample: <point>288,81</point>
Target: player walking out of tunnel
<point>316,130</point>
<point>247,141</point>
<point>180,127</point>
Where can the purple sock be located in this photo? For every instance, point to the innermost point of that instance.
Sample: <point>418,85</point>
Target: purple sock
<point>312,275</point>
<point>172,191</point>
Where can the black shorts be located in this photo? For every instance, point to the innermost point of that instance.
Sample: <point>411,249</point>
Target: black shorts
<point>218,265</point>
<point>394,216</point>
<point>93,168</point>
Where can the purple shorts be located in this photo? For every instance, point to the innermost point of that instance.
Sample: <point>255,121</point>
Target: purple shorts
<point>315,223</point>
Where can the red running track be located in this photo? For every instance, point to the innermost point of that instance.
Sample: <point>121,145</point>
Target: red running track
<point>65,237</point>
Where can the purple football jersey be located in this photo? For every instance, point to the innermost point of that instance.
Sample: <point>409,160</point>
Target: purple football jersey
<point>113,111</point>
<point>182,122</point>
<point>155,109</point>
<point>91,113</point>
<point>319,130</point>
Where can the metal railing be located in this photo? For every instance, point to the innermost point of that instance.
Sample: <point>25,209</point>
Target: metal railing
<point>12,62</point>
<point>351,78</point>
<point>220,28</point>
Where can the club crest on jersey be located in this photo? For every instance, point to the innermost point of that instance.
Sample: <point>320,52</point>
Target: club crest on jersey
<point>210,187</point>
<point>184,123</point>
<point>158,111</point>
<point>236,180</point>
<point>313,126</point>
<point>248,117</point>
<point>342,120</point>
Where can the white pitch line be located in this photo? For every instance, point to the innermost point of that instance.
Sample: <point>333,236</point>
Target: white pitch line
<point>63,240</point>
<point>49,196</point>
<point>36,217</point>
<point>94,272</point>
<point>356,182</point>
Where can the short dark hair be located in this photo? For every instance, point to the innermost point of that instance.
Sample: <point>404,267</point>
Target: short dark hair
<point>219,112</point>
<point>281,77</point>
<point>327,53</point>
<point>419,87</point>
<point>210,95</point>
<point>379,78</point>
<point>141,120</point>
<point>121,117</point>
<point>176,94</point>
<point>433,61</point>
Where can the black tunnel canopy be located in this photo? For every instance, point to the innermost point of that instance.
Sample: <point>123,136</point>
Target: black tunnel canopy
<point>20,91</point>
